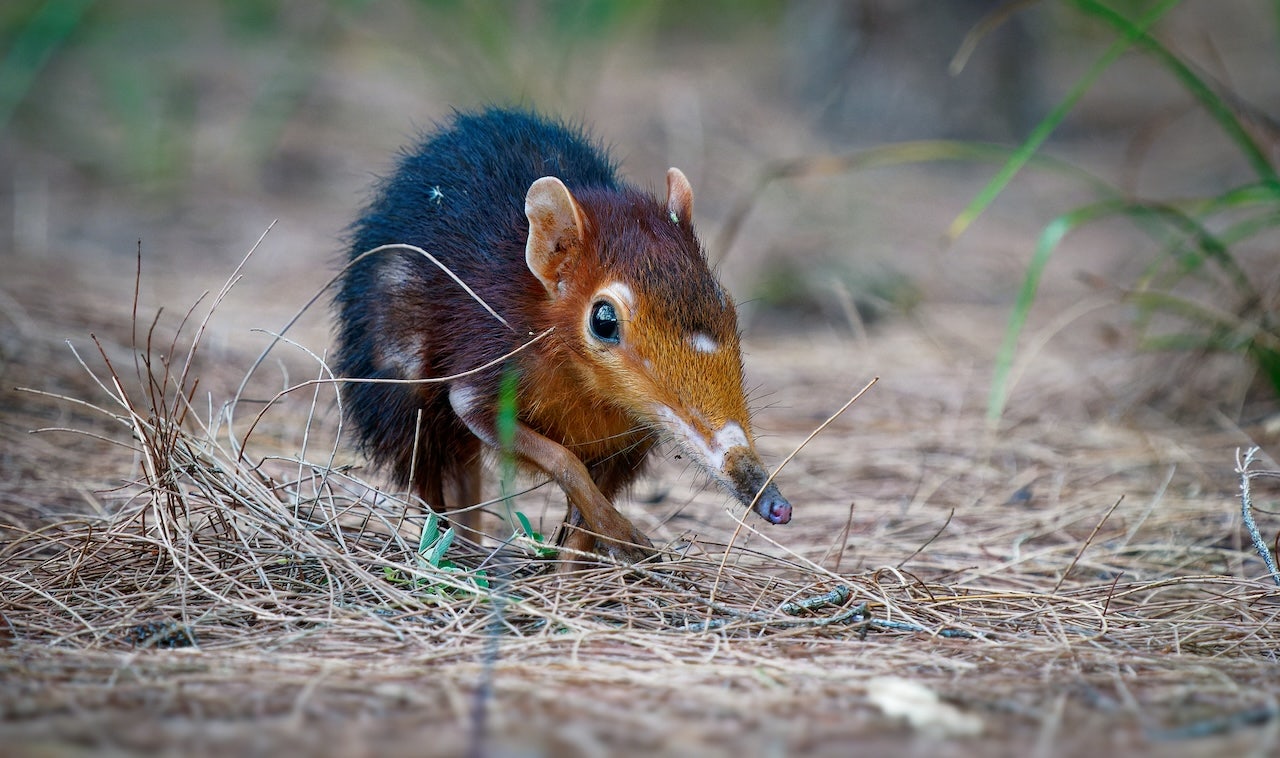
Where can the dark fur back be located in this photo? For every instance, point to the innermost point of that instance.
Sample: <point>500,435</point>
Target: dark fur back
<point>460,196</point>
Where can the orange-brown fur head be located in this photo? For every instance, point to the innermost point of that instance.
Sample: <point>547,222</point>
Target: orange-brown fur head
<point>644,329</point>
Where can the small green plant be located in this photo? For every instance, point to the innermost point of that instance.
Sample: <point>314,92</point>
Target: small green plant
<point>542,548</point>
<point>433,544</point>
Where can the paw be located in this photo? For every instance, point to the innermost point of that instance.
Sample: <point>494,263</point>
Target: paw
<point>634,548</point>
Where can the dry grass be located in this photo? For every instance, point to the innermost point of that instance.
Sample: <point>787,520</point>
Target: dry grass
<point>1067,585</point>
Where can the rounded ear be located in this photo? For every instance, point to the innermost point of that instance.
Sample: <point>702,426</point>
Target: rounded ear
<point>679,196</point>
<point>555,231</point>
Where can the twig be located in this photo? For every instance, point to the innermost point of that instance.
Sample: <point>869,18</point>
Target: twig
<point>1086,544</point>
<point>837,596</point>
<point>907,626</point>
<point>854,616</point>
<point>929,541</point>
<point>1216,726</point>
<point>1246,510</point>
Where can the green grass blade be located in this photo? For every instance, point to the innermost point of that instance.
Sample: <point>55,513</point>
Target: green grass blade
<point>1250,227</point>
<point>1051,122</point>
<point>1208,245</point>
<point>1190,260</point>
<point>508,418</point>
<point>1215,105</point>
<point>1232,331</point>
<point>1220,331</point>
<point>1245,196</point>
<point>1269,361</point>
<point>1212,321</point>
<point>1181,343</point>
<point>881,156</point>
<point>1049,238</point>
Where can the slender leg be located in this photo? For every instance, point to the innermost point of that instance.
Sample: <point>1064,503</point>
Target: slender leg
<point>575,538</point>
<point>610,477</point>
<point>432,493</point>
<point>462,495</point>
<point>615,534</point>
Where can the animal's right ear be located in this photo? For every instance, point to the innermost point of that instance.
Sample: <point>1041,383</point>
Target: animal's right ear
<point>555,231</point>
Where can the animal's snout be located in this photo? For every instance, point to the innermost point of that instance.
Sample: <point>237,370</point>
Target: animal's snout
<point>773,507</point>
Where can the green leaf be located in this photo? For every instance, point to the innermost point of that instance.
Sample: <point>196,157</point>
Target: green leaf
<point>541,548</point>
<point>525,526</point>
<point>430,531</point>
<point>440,547</point>
<point>1047,125</point>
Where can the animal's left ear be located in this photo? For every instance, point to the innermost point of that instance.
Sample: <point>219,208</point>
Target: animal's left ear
<point>556,232</point>
<point>679,197</point>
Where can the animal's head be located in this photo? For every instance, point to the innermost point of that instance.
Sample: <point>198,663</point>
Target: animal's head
<point>652,329</point>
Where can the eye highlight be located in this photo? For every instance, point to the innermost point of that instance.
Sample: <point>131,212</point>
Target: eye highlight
<point>603,322</point>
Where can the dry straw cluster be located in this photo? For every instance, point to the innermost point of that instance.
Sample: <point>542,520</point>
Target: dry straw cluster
<point>297,566</point>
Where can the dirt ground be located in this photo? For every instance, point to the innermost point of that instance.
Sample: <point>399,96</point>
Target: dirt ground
<point>1071,580</point>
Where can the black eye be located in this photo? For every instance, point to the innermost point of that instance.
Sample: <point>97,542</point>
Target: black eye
<point>604,322</point>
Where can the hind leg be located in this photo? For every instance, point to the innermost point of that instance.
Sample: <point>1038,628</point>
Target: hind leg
<point>463,494</point>
<point>432,494</point>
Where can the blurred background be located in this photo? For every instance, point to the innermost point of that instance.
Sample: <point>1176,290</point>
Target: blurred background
<point>188,128</point>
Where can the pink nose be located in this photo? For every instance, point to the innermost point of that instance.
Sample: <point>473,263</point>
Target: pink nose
<point>779,513</point>
<point>774,507</point>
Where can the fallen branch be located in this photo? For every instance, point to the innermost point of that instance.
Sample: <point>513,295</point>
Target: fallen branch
<point>1246,509</point>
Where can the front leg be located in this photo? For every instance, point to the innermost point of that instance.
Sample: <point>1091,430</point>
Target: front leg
<point>575,538</point>
<point>608,529</point>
